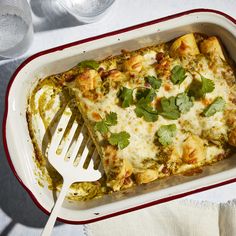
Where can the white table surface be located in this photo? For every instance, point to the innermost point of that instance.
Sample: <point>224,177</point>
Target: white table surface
<point>18,214</point>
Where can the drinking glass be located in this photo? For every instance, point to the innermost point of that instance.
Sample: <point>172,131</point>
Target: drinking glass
<point>16,29</point>
<point>87,11</point>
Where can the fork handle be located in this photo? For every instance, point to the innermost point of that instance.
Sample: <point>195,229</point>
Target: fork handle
<point>55,210</point>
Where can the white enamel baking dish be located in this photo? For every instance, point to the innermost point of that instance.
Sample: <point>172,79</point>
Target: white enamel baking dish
<point>19,148</point>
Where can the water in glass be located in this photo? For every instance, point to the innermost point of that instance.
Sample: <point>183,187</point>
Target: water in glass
<point>16,30</point>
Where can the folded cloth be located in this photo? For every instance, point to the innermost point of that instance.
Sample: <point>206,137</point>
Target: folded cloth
<point>176,218</point>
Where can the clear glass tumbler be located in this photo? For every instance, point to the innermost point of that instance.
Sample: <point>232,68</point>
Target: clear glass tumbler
<point>87,11</point>
<point>16,28</point>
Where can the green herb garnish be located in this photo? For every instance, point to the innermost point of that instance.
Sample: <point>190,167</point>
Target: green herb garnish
<point>184,102</point>
<point>89,64</point>
<point>111,119</point>
<point>143,107</point>
<point>126,97</point>
<point>147,94</point>
<point>178,74</point>
<point>153,81</point>
<point>103,125</point>
<point>166,133</point>
<point>207,85</point>
<point>198,89</point>
<point>119,139</point>
<point>142,93</point>
<point>217,105</point>
<point>169,110</point>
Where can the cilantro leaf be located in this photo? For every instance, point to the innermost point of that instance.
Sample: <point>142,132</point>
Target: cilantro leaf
<point>166,133</point>
<point>198,88</point>
<point>147,94</point>
<point>153,81</point>
<point>150,96</point>
<point>142,93</point>
<point>207,85</point>
<point>111,119</point>
<point>178,74</point>
<point>169,110</point>
<point>217,105</point>
<point>126,97</point>
<point>172,115</point>
<point>168,104</point>
<point>195,89</point>
<point>119,139</point>
<point>184,102</point>
<point>89,64</point>
<point>103,125</point>
<point>143,109</point>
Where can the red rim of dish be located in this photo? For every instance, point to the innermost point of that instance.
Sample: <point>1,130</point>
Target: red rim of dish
<point>162,200</point>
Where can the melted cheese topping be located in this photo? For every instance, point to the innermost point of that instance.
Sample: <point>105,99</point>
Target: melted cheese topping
<point>142,133</point>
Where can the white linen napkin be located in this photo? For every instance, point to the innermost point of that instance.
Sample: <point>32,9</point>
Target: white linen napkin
<point>176,218</point>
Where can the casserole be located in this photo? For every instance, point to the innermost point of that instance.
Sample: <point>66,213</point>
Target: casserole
<point>62,58</point>
<point>158,111</point>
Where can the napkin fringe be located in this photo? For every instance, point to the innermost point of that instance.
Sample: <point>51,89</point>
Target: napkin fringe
<point>198,204</point>
<point>231,203</point>
<point>86,230</point>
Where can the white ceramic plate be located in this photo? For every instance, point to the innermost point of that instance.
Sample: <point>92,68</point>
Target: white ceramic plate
<point>18,145</point>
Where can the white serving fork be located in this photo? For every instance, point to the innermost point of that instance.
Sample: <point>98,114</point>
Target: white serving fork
<point>66,161</point>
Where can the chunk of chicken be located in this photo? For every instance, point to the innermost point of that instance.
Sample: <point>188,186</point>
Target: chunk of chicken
<point>215,134</point>
<point>185,45</point>
<point>88,80</point>
<point>118,170</point>
<point>121,175</point>
<point>115,76</point>
<point>134,64</point>
<point>193,150</point>
<point>146,176</point>
<point>162,67</point>
<point>212,46</point>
